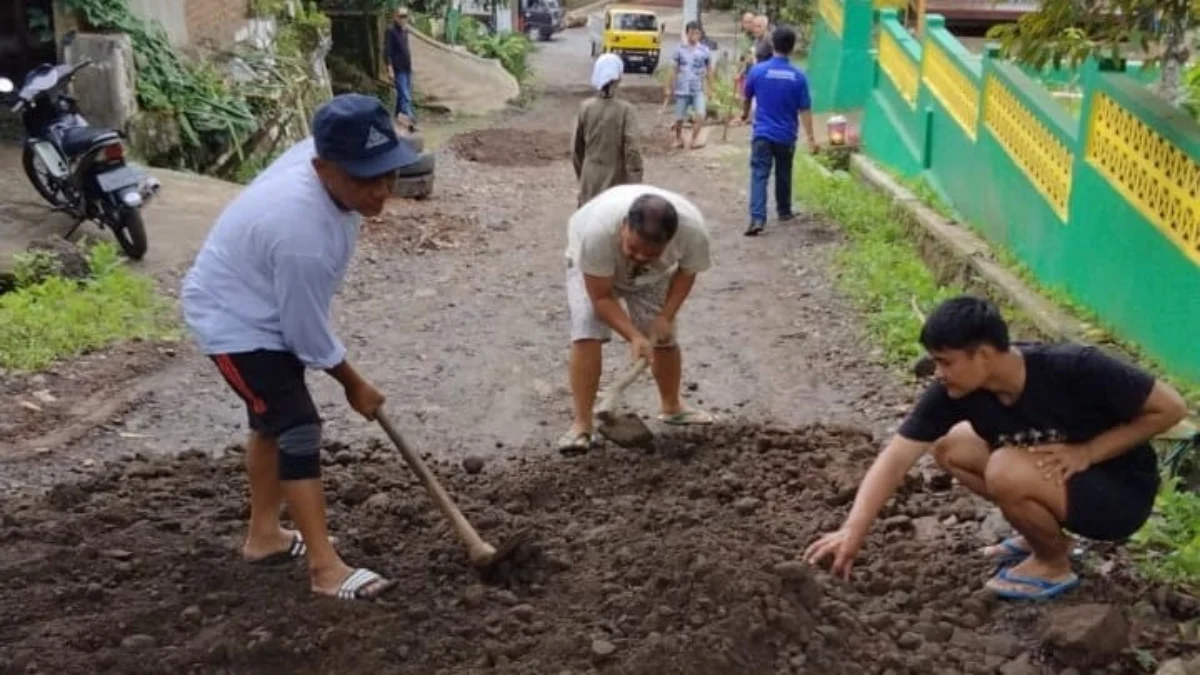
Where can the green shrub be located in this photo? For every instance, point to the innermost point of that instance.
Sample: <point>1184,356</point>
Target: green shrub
<point>56,318</point>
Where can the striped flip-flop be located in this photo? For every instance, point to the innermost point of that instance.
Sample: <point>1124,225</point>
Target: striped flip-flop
<point>294,551</point>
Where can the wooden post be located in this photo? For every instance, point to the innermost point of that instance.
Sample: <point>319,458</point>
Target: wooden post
<point>921,19</point>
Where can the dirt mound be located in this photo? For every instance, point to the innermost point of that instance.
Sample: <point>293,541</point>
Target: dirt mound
<point>679,561</point>
<point>420,226</point>
<point>524,147</point>
<point>642,94</point>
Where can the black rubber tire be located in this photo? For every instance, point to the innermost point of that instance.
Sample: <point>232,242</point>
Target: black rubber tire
<point>130,232</point>
<point>34,180</point>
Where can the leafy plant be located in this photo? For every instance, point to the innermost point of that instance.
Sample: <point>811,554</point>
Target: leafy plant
<point>57,318</point>
<point>1191,86</point>
<point>1168,545</point>
<point>194,95</point>
<point>1071,31</point>
<point>34,267</point>
<point>512,50</point>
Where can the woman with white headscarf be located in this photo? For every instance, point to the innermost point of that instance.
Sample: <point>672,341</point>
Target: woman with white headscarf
<point>606,151</point>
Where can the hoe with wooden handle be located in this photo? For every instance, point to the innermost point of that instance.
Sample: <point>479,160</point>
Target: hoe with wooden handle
<point>479,551</point>
<point>626,430</point>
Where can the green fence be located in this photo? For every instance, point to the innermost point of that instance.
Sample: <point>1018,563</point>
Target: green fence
<point>1104,204</point>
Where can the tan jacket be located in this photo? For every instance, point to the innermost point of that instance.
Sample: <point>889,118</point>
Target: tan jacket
<point>606,151</point>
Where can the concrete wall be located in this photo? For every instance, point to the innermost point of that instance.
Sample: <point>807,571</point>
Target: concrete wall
<point>169,13</point>
<point>106,90</point>
<point>197,23</point>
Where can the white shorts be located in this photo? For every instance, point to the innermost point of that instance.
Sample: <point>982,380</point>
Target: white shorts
<point>643,304</point>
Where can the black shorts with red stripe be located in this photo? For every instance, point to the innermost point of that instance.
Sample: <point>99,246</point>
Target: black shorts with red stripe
<point>272,385</point>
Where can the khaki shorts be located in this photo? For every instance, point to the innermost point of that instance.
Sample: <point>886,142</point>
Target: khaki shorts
<point>643,304</point>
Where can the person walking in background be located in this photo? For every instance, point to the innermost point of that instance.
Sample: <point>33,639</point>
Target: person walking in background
<point>779,91</point>
<point>763,49</point>
<point>745,47</point>
<point>691,69</point>
<point>606,149</point>
<point>399,65</point>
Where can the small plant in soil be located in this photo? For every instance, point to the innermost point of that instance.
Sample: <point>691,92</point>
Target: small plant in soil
<point>1168,547</point>
<point>49,317</point>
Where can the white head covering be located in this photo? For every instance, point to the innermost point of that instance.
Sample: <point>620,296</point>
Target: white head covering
<point>607,68</point>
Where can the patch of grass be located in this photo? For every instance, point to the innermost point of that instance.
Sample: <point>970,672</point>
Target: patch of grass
<point>57,318</point>
<point>880,268</point>
<point>1168,546</point>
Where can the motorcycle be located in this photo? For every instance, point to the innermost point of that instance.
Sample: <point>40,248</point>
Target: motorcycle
<point>80,169</point>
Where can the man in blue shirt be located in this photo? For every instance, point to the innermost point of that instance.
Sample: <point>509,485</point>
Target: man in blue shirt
<point>781,92</point>
<point>257,301</point>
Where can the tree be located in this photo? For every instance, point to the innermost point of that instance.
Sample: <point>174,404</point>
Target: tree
<point>1072,30</point>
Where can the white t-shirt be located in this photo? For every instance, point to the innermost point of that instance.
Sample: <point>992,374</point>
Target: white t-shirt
<point>594,239</point>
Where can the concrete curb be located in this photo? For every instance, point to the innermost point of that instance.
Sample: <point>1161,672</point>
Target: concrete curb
<point>973,252</point>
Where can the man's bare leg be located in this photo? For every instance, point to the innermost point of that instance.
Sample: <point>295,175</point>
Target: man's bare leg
<point>1036,507</point>
<point>326,570</point>
<point>965,456</point>
<point>668,371</point>
<point>585,367</point>
<point>265,536</point>
<point>697,127</point>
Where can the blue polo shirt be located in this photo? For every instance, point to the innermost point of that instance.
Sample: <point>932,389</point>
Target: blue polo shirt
<point>780,93</point>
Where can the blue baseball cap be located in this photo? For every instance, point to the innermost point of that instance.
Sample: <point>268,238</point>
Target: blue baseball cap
<point>356,133</point>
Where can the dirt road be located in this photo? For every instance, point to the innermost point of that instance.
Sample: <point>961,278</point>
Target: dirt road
<point>470,342</point>
<point>671,562</point>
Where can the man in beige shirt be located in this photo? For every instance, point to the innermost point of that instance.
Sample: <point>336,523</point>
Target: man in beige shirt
<point>643,245</point>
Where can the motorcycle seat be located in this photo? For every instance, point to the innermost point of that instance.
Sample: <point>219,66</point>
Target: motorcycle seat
<point>76,140</point>
<point>423,165</point>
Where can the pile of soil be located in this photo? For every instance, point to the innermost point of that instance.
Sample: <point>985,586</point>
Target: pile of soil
<point>524,147</point>
<point>420,226</point>
<point>682,561</point>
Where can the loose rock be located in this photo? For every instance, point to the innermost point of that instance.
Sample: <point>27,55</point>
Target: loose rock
<point>1086,636</point>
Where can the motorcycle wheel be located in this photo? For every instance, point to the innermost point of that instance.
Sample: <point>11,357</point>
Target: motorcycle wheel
<point>40,182</point>
<point>130,232</point>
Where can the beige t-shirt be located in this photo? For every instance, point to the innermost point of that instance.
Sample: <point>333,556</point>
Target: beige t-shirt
<point>594,239</point>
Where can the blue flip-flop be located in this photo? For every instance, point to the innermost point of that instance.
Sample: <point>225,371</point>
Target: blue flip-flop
<point>1044,589</point>
<point>1013,553</point>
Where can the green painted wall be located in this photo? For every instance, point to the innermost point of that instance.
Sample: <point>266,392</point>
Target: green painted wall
<point>1107,255</point>
<point>840,67</point>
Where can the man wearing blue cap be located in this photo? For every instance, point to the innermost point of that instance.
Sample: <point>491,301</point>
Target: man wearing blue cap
<point>257,300</point>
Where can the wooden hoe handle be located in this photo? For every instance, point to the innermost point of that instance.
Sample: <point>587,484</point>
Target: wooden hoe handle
<point>478,550</point>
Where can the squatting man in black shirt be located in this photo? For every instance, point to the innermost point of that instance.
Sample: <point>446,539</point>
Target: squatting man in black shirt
<point>1055,435</point>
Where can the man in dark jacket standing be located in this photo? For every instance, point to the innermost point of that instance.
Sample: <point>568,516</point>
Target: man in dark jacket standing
<point>399,63</point>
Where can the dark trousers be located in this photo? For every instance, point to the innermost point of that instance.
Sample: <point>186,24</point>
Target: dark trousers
<point>764,153</point>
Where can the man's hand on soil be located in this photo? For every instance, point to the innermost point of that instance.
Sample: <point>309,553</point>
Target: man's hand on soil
<point>1059,461</point>
<point>641,348</point>
<point>365,399</point>
<point>842,544</point>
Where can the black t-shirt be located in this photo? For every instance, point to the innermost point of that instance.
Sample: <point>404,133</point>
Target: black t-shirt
<point>1072,394</point>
